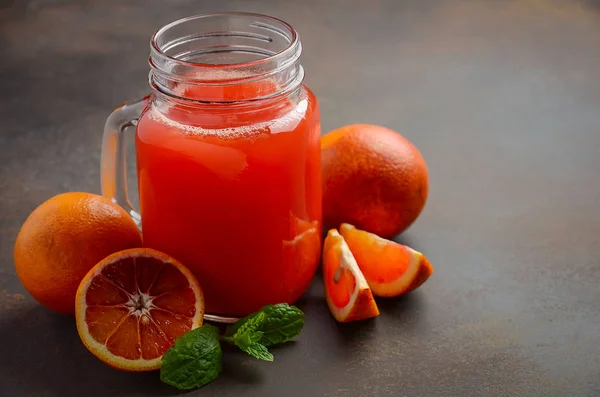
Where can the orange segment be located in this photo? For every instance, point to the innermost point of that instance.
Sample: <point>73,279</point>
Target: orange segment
<point>173,325</point>
<point>125,340</point>
<point>346,290</point>
<point>102,321</point>
<point>391,269</point>
<point>122,274</point>
<point>154,342</point>
<point>105,292</point>
<point>181,301</point>
<point>133,304</point>
<point>169,279</point>
<point>147,272</point>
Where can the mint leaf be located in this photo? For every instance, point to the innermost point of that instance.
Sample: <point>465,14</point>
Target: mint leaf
<point>252,325</point>
<point>194,360</point>
<point>247,338</point>
<point>282,322</point>
<point>257,350</point>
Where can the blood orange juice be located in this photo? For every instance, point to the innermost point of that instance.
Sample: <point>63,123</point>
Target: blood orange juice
<point>235,195</point>
<point>228,159</point>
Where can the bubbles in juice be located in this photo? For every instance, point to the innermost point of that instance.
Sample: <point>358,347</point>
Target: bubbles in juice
<point>287,122</point>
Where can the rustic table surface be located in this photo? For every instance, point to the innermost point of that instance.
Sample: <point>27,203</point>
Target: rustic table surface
<point>501,97</point>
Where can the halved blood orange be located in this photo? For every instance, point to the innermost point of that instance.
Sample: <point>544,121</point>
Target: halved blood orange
<point>132,306</point>
<point>348,295</point>
<point>391,269</point>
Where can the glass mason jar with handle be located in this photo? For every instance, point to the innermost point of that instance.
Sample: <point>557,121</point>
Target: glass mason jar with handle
<point>228,159</point>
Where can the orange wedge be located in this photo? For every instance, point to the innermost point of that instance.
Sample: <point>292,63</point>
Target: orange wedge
<point>132,306</point>
<point>391,269</point>
<point>301,255</point>
<point>299,225</point>
<point>348,295</point>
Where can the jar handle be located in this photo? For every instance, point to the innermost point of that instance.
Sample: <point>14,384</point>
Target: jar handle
<point>113,168</point>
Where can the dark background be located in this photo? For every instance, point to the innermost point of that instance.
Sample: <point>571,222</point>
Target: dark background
<point>501,97</point>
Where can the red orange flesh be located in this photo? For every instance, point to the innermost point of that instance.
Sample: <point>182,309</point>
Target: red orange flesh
<point>347,293</point>
<point>390,268</point>
<point>132,306</point>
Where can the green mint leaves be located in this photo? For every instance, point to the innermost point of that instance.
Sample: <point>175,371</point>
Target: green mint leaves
<point>248,337</point>
<point>282,322</point>
<point>271,325</point>
<point>196,357</point>
<point>194,360</point>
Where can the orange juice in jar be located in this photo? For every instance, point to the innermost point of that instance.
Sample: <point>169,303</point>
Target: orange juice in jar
<point>228,159</point>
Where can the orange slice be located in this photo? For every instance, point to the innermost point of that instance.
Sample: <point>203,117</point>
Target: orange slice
<point>391,269</point>
<point>348,295</point>
<point>301,256</point>
<point>132,306</point>
<point>299,225</point>
<point>304,249</point>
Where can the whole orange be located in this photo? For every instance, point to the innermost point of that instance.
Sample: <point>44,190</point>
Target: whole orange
<point>63,239</point>
<point>373,178</point>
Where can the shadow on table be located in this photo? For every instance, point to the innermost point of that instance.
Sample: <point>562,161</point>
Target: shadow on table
<point>401,310</point>
<point>400,305</point>
<point>239,367</point>
<point>43,355</point>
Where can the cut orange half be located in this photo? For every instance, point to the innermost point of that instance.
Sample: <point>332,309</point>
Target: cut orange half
<point>391,269</point>
<point>348,295</point>
<point>132,306</point>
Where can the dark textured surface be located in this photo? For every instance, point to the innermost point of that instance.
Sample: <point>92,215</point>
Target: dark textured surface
<point>502,98</point>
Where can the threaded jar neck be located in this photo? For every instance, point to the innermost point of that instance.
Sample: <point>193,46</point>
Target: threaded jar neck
<point>226,57</point>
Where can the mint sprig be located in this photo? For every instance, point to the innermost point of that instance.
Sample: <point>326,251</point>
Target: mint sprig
<point>248,337</point>
<point>282,322</point>
<point>196,357</point>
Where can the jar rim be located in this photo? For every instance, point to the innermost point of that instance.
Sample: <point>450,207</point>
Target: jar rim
<point>289,50</point>
<point>256,53</point>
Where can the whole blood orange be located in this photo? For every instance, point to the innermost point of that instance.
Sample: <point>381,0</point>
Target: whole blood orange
<point>132,306</point>
<point>63,239</point>
<point>373,178</point>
